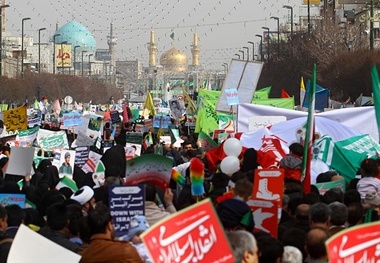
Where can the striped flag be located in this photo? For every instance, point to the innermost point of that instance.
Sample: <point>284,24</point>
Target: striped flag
<point>302,91</point>
<point>309,138</point>
<point>376,94</point>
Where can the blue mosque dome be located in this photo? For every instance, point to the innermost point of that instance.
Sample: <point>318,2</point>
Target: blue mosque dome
<point>77,35</point>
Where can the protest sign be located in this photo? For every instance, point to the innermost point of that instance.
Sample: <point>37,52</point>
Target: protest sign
<point>31,243</point>
<point>355,244</point>
<point>12,199</point>
<point>49,140</point>
<point>70,119</point>
<point>81,155</point>
<point>16,119</point>
<point>125,202</point>
<point>191,235</point>
<point>152,168</point>
<point>134,137</point>
<point>20,161</point>
<point>257,122</point>
<point>64,161</point>
<point>93,159</point>
<point>265,215</point>
<point>232,96</point>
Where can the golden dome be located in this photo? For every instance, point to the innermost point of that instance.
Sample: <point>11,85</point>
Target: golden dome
<point>174,60</point>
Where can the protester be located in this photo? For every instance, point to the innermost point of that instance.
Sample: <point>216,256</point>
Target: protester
<point>85,196</point>
<point>319,215</point>
<point>315,245</point>
<point>369,171</point>
<point>339,216</point>
<point>5,241</point>
<point>15,218</point>
<point>244,246</point>
<point>103,246</point>
<point>291,255</point>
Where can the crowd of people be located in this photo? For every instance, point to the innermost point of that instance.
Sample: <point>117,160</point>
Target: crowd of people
<point>81,221</point>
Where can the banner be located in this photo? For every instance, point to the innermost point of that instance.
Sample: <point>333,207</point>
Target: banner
<point>193,234</point>
<point>355,244</point>
<point>124,203</point>
<point>63,55</point>
<point>324,187</point>
<point>262,93</point>
<point>51,141</point>
<point>27,137</point>
<point>16,119</point>
<point>152,168</point>
<point>284,103</point>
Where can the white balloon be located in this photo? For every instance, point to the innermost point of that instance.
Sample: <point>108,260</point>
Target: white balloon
<point>230,165</point>
<point>232,147</point>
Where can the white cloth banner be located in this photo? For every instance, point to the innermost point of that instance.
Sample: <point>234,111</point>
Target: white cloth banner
<point>359,119</point>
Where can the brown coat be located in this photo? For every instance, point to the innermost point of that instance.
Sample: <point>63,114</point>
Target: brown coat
<point>104,249</point>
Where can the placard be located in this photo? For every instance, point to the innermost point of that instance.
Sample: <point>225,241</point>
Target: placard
<point>71,119</point>
<point>152,168</point>
<point>125,202</point>
<point>20,161</point>
<point>134,137</point>
<point>355,244</point>
<point>193,234</point>
<point>232,96</point>
<point>81,155</point>
<point>265,214</point>
<point>12,199</point>
<point>31,244</point>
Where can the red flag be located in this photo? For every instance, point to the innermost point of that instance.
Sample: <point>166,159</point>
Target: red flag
<point>284,94</point>
<point>270,153</point>
<point>125,113</point>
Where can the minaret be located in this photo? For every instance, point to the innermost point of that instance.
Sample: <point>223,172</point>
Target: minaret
<point>195,50</point>
<point>152,48</point>
<point>111,46</point>
<point>3,17</point>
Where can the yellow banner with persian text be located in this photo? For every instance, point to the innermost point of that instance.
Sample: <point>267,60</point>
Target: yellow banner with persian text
<point>16,119</point>
<point>63,55</point>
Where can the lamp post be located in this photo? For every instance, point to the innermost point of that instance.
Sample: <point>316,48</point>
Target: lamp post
<point>247,48</point>
<point>75,56</point>
<point>291,17</point>
<point>225,65</point>
<point>238,55</point>
<point>83,51</point>
<point>54,36</point>
<point>89,64</point>
<point>39,48</point>
<point>261,46</point>
<point>241,51</point>
<point>267,29</point>
<point>253,50</point>
<point>22,45</point>
<point>62,57</point>
<point>278,33</point>
<point>1,37</point>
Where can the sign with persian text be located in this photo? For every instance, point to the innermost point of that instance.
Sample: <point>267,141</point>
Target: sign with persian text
<point>191,235</point>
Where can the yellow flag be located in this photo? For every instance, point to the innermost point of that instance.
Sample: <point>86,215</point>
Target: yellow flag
<point>16,119</point>
<point>302,91</point>
<point>149,104</point>
<point>191,105</point>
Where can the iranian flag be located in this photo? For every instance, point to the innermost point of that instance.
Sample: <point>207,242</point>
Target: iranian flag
<point>376,94</point>
<point>206,141</point>
<point>309,138</point>
<point>67,182</point>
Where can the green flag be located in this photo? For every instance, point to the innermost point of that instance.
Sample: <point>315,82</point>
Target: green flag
<point>309,138</point>
<point>376,93</point>
<point>284,103</point>
<point>262,93</point>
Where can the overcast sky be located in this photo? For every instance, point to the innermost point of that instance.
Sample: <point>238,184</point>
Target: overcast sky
<point>223,26</point>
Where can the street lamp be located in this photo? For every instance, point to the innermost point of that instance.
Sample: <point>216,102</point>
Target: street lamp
<point>253,50</point>
<point>62,56</point>
<point>22,45</point>
<point>278,33</point>
<point>54,36</point>
<point>242,53</point>
<point>291,17</point>
<point>225,65</point>
<point>89,63</point>
<point>261,46</point>
<point>83,51</point>
<point>238,55</point>
<point>1,37</point>
<point>247,48</point>
<point>39,48</point>
<point>267,29</point>
<point>75,57</point>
